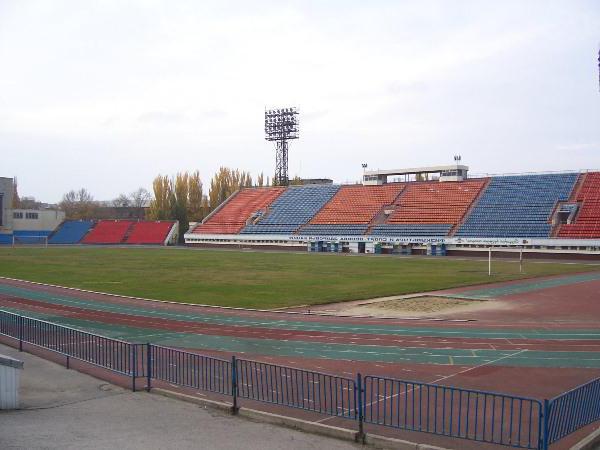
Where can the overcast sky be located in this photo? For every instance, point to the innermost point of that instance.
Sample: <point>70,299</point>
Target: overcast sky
<point>107,94</point>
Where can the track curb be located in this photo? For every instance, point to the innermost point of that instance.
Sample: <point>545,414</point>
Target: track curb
<point>345,434</point>
<point>590,442</point>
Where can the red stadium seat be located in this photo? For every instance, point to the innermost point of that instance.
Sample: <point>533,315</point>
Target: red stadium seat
<point>587,223</point>
<point>108,232</point>
<point>434,202</point>
<point>149,232</point>
<point>357,204</point>
<point>232,217</point>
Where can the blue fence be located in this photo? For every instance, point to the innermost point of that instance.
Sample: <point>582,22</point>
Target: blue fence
<point>112,354</point>
<point>572,410</point>
<point>297,388</point>
<point>486,417</point>
<point>448,411</point>
<point>190,369</point>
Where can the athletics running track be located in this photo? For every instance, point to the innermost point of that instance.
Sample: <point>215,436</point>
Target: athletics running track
<point>542,340</point>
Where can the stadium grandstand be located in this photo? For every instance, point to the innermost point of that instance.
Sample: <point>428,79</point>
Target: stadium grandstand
<point>115,232</point>
<point>422,207</point>
<point>48,226</point>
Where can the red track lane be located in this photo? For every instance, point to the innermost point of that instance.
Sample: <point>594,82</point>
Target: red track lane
<point>309,336</point>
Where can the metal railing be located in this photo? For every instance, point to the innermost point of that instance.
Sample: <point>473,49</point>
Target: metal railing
<point>111,354</point>
<point>572,410</point>
<point>189,369</point>
<point>448,411</point>
<point>480,416</point>
<point>297,388</point>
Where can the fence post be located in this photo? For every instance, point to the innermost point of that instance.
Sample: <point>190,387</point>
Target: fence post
<point>360,436</point>
<point>133,348</point>
<point>148,366</point>
<point>544,438</point>
<point>234,386</point>
<point>21,321</point>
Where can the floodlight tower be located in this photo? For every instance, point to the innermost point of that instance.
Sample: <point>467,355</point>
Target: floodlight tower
<point>281,125</point>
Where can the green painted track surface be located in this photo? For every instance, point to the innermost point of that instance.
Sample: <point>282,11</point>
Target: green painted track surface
<point>526,286</point>
<point>293,325</point>
<point>299,348</point>
<point>302,349</point>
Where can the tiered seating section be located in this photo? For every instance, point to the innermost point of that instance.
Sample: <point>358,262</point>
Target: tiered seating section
<point>351,210</point>
<point>71,232</point>
<point>430,208</point>
<point>234,214</point>
<point>518,206</point>
<point>357,204</point>
<point>112,232</point>
<point>149,232</point>
<point>435,202</point>
<point>587,222</point>
<point>292,209</point>
<point>108,232</point>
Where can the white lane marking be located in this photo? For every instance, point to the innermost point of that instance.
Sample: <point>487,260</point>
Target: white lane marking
<point>437,380</point>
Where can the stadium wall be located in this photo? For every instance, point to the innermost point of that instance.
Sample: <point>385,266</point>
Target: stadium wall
<point>453,246</point>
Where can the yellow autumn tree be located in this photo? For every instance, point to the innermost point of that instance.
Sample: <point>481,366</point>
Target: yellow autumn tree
<point>195,197</point>
<point>225,182</point>
<point>180,204</point>
<point>161,206</point>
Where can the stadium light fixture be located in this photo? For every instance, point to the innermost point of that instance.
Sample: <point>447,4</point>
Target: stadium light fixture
<point>281,125</point>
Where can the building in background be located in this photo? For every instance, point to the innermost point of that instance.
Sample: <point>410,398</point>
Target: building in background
<point>6,200</point>
<point>26,222</point>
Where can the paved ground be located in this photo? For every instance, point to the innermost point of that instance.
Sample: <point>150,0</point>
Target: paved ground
<point>65,409</point>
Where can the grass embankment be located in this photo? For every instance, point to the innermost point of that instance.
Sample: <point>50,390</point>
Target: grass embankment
<point>253,279</point>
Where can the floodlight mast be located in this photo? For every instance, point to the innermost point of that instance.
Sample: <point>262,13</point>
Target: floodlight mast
<point>281,125</point>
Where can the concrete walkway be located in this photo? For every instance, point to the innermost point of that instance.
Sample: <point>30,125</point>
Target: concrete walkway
<point>65,409</point>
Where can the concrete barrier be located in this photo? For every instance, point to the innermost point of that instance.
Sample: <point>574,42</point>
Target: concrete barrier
<point>371,440</point>
<point>10,380</point>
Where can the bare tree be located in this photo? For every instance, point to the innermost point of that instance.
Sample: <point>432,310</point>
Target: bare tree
<point>122,201</point>
<point>139,198</point>
<point>79,205</point>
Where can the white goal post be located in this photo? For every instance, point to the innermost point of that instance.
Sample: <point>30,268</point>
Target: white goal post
<point>33,240</point>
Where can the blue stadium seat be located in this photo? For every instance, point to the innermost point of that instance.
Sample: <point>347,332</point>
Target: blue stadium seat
<point>293,208</point>
<point>71,232</point>
<point>518,206</point>
<point>30,236</point>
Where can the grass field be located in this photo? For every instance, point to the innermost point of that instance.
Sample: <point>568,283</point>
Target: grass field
<point>253,279</point>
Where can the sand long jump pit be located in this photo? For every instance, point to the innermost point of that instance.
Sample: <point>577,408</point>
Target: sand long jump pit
<point>421,305</point>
